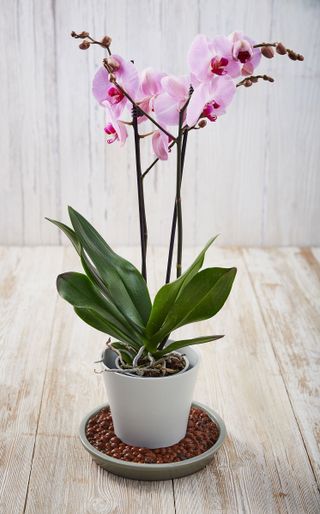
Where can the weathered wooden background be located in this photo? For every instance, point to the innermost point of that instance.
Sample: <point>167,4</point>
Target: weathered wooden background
<point>253,176</point>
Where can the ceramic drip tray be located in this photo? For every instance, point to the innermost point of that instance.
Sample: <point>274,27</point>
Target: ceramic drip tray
<point>205,434</point>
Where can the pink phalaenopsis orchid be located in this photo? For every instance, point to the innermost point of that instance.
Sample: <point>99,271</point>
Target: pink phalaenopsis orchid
<point>233,55</point>
<point>175,95</point>
<point>107,94</point>
<point>210,99</point>
<point>114,128</point>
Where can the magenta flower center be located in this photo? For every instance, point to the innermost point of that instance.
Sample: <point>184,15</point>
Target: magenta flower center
<point>114,95</point>
<point>208,111</point>
<point>244,56</point>
<point>111,131</point>
<point>218,64</point>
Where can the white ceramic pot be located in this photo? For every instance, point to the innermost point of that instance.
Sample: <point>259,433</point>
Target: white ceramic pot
<point>150,412</point>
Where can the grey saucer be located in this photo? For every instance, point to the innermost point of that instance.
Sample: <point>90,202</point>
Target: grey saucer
<point>154,471</point>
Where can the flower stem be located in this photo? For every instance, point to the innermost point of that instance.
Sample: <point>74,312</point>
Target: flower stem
<point>142,211</point>
<point>174,217</point>
<point>155,161</point>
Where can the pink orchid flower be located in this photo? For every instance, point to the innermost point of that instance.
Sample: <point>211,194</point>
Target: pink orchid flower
<point>150,87</point>
<point>115,129</point>
<point>232,55</point>
<point>160,144</point>
<point>243,51</point>
<point>211,58</point>
<point>168,104</point>
<point>210,99</point>
<point>107,94</point>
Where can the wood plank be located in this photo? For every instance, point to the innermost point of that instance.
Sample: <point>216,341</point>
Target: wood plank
<point>287,283</point>
<point>263,466</point>
<point>63,478</point>
<point>27,302</point>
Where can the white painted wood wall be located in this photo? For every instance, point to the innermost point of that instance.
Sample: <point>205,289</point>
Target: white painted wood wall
<point>253,176</point>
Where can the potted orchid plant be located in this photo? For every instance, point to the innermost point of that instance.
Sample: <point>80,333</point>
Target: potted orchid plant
<point>150,377</point>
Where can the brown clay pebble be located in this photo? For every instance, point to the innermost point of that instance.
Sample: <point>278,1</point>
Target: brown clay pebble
<point>202,433</point>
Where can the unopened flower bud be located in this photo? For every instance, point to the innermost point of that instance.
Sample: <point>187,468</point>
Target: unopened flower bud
<point>281,49</point>
<point>112,64</point>
<point>247,83</point>
<point>106,41</point>
<point>84,45</point>
<point>292,56</point>
<point>202,123</point>
<point>300,57</point>
<point>83,34</point>
<point>73,34</point>
<point>267,51</point>
<point>254,79</point>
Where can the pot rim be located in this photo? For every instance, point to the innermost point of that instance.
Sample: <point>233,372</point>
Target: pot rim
<point>170,377</point>
<point>142,466</point>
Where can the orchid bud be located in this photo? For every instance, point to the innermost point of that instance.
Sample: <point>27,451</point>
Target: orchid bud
<point>300,57</point>
<point>73,34</point>
<point>83,34</point>
<point>106,41</point>
<point>84,45</point>
<point>247,83</point>
<point>202,123</point>
<point>112,64</point>
<point>281,49</point>
<point>267,51</point>
<point>292,56</point>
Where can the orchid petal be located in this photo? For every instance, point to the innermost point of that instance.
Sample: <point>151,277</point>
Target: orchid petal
<point>177,87</point>
<point>166,109</point>
<point>198,100</point>
<point>160,142</point>
<point>151,82</point>
<point>199,57</point>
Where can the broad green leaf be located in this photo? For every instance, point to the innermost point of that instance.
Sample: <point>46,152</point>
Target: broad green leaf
<point>125,283</point>
<point>78,290</point>
<point>99,322</point>
<point>201,299</point>
<point>168,294</point>
<point>186,342</point>
<point>69,233</point>
<point>88,267</point>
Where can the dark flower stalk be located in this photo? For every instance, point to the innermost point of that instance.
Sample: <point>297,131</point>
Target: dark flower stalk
<point>142,211</point>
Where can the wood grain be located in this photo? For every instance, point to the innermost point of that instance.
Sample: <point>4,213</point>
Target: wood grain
<point>262,379</point>
<point>287,286</point>
<point>252,176</point>
<point>27,302</point>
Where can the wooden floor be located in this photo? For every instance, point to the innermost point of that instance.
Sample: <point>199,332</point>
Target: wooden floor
<point>263,378</point>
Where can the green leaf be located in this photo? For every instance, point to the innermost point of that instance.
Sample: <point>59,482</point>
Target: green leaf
<point>168,294</point>
<point>89,269</point>
<point>125,283</point>
<point>201,299</point>
<point>69,233</point>
<point>186,342</point>
<point>78,290</point>
<point>99,322</point>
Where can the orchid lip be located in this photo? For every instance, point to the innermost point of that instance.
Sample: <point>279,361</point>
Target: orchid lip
<point>218,64</point>
<point>114,95</point>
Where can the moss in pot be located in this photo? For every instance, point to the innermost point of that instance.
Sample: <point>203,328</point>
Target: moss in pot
<point>149,377</point>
